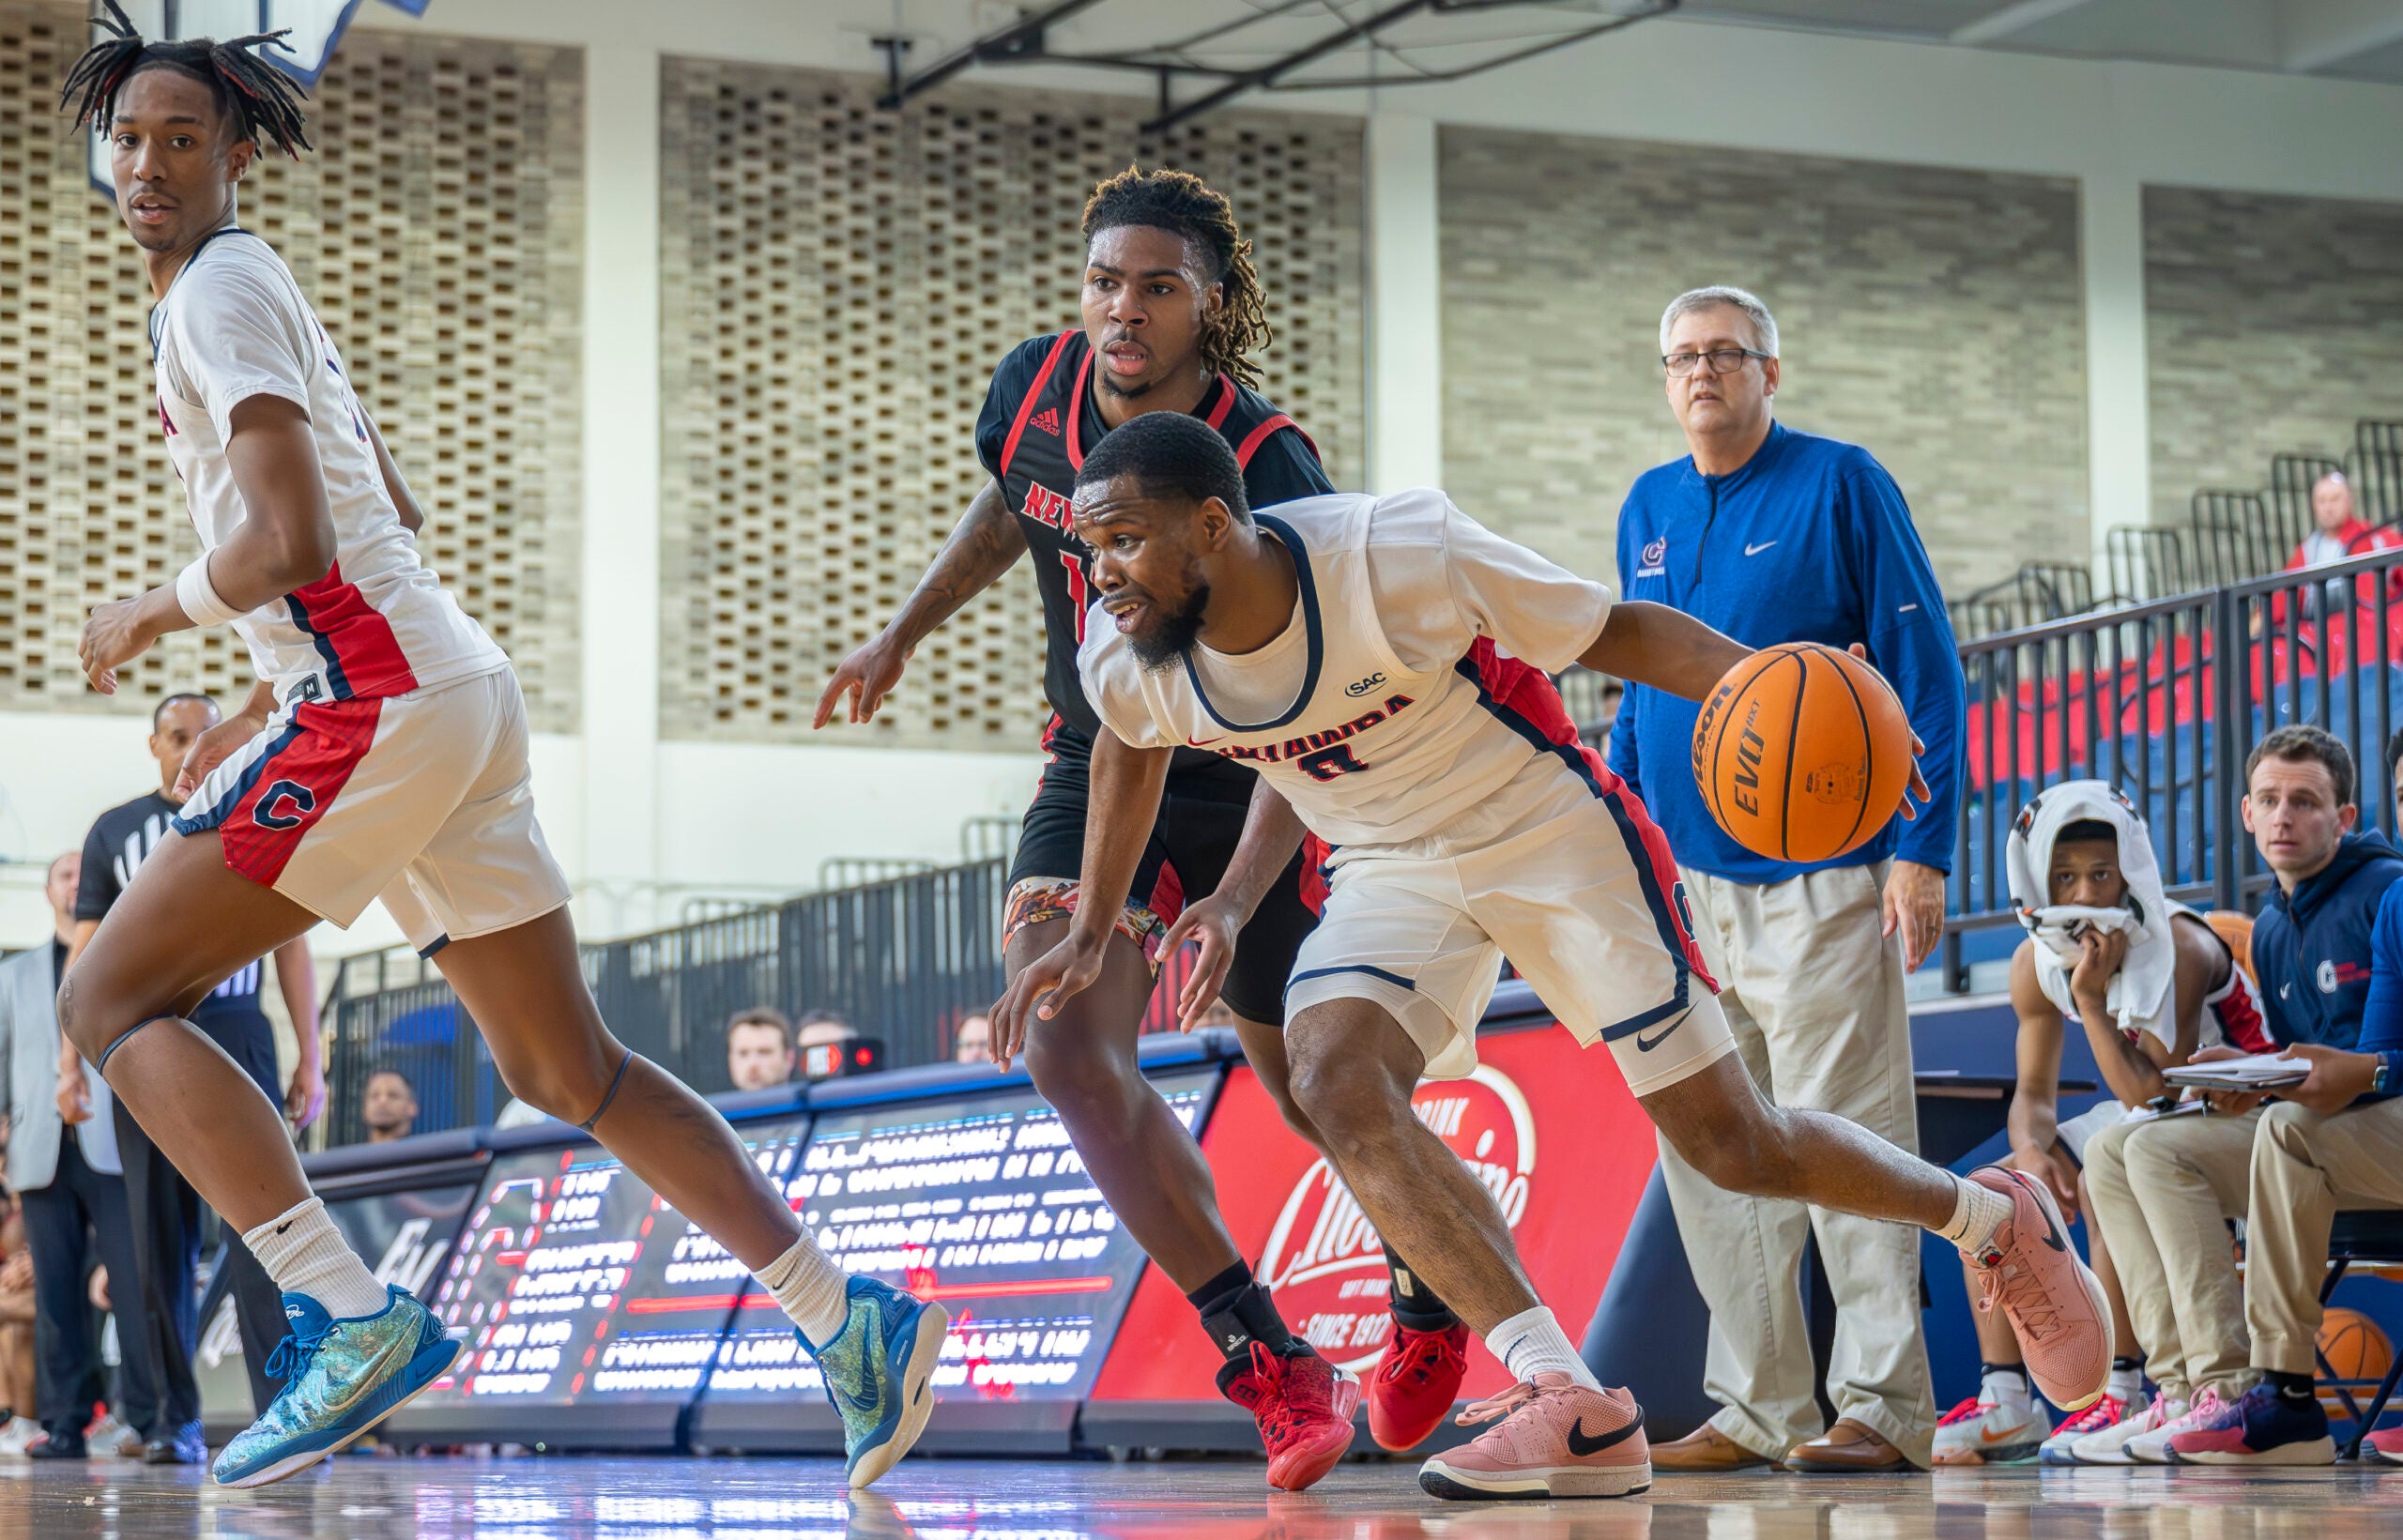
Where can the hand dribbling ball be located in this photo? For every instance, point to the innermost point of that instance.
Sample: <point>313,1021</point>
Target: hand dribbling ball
<point>1802,752</point>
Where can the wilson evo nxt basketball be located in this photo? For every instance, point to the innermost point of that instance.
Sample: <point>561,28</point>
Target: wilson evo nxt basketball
<point>1802,752</point>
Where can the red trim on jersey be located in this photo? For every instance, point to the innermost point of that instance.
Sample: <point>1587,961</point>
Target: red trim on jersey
<point>1026,407</point>
<point>1217,416</point>
<point>1252,440</point>
<point>1518,689</point>
<point>2240,1014</point>
<point>1167,895</point>
<point>1075,440</point>
<point>334,737</point>
<point>363,657</point>
<point>1316,853</point>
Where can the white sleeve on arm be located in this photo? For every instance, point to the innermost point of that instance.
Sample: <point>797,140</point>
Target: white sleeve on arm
<point>237,336</point>
<point>1532,607</point>
<point>1114,682</point>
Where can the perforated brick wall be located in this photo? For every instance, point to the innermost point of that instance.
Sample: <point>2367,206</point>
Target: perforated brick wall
<point>837,283</point>
<point>1933,316</point>
<point>438,230</point>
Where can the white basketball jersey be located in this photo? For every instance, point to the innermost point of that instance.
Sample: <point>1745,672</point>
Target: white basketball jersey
<point>1376,748</point>
<point>234,326</point>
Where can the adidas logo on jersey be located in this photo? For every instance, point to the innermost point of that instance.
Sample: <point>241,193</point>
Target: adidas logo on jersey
<point>1048,420</point>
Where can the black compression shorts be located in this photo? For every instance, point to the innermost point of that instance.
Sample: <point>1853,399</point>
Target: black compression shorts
<point>1201,822</point>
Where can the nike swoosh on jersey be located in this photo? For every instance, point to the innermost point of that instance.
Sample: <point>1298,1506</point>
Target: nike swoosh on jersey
<point>1580,1444</point>
<point>1756,550</point>
<point>1203,742</point>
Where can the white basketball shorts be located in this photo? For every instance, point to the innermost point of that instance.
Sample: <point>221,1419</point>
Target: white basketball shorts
<point>424,800</point>
<point>1563,871</point>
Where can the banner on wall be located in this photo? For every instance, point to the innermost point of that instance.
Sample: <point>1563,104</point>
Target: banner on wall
<point>1549,1130</point>
<point>316,26</point>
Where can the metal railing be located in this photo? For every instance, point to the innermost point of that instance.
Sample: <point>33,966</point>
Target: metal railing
<point>903,960</point>
<point>2165,701</point>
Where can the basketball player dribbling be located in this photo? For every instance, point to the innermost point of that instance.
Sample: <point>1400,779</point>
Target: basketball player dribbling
<point>1468,823</point>
<point>381,753</point>
<point>1171,307</point>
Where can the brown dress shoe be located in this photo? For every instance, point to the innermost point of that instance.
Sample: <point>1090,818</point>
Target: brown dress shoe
<point>1707,1450</point>
<point>1846,1447</point>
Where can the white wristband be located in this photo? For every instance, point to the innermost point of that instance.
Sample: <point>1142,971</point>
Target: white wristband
<point>199,599</point>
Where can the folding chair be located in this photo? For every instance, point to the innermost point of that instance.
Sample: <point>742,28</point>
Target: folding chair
<point>2368,1237</point>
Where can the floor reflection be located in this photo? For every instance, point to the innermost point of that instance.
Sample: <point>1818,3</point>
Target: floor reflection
<point>611,1498</point>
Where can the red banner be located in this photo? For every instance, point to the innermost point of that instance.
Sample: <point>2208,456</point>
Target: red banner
<point>1549,1129</point>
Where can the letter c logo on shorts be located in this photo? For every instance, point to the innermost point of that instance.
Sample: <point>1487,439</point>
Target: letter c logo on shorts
<point>285,805</point>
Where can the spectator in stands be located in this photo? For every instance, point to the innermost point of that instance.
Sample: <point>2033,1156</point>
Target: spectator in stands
<point>387,1107</point>
<point>1774,536</point>
<point>2147,983</point>
<point>71,1188</point>
<point>2337,533</point>
<point>973,1042</point>
<point>824,1039</point>
<point>2164,1189</point>
<point>758,1048</point>
<point>2334,1142</point>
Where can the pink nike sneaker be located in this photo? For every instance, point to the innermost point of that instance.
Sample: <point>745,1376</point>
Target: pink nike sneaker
<point>2056,1306</point>
<point>1556,1438</point>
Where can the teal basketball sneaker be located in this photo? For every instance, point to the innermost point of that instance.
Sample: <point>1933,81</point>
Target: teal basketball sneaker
<point>341,1378</point>
<point>877,1371</point>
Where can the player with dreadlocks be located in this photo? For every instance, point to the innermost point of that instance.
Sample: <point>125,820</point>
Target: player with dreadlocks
<point>1174,316</point>
<point>382,753</point>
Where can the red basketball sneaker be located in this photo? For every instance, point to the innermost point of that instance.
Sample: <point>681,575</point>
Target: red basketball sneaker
<point>1304,1408</point>
<point>1412,1389</point>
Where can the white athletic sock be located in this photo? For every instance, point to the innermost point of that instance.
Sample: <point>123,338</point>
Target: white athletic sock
<point>304,1254</point>
<point>1977,1213</point>
<point>2008,1388</point>
<point>1532,1343</point>
<point>2125,1384</point>
<point>811,1290</point>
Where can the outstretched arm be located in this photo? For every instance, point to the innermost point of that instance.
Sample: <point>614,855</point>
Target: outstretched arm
<point>1123,804</point>
<point>285,541</point>
<point>986,543</point>
<point>1271,832</point>
<point>1668,650</point>
<point>2034,1118</point>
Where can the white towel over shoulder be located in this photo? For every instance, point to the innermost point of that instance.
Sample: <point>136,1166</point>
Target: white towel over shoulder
<point>2140,997</point>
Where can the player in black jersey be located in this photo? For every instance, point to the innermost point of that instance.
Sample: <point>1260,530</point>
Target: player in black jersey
<point>1171,311</point>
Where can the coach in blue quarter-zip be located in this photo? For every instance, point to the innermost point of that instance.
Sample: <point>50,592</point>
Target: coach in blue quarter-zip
<point>1776,536</point>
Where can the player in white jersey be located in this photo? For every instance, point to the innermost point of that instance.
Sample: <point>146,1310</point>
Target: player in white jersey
<point>1381,661</point>
<point>382,752</point>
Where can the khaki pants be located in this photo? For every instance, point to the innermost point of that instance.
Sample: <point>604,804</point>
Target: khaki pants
<point>1815,998</point>
<point>2305,1169</point>
<point>2163,1193</point>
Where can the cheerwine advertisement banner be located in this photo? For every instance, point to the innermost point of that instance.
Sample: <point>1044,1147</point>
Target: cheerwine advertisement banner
<point>1548,1128</point>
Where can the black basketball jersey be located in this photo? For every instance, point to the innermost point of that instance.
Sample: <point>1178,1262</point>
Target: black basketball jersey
<point>121,839</point>
<point>1039,421</point>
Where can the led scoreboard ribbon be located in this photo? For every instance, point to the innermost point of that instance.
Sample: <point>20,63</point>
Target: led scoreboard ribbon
<point>573,1284</point>
<point>977,1201</point>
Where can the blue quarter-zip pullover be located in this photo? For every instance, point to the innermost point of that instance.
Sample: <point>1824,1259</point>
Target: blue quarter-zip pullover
<point>1809,541</point>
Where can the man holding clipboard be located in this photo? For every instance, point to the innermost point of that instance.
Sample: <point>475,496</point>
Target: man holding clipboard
<point>2164,1189</point>
<point>2332,1139</point>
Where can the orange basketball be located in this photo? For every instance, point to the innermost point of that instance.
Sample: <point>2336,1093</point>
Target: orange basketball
<point>2356,1349</point>
<point>1802,752</point>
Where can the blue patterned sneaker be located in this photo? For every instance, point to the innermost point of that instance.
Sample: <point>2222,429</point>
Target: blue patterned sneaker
<point>877,1370</point>
<point>341,1378</point>
<point>2258,1428</point>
